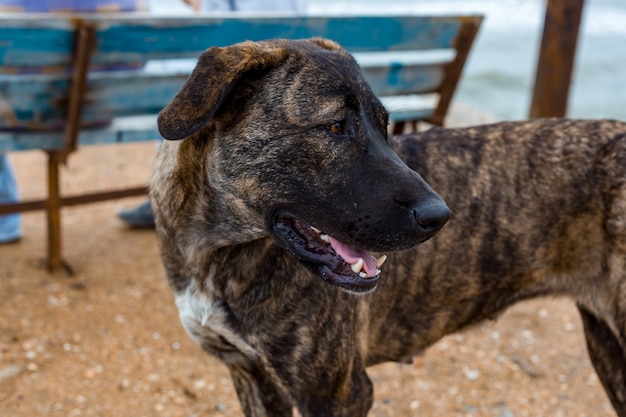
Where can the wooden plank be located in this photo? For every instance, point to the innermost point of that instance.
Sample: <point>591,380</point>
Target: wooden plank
<point>144,128</point>
<point>410,107</point>
<point>398,79</point>
<point>130,39</point>
<point>37,99</point>
<point>354,33</point>
<point>31,98</point>
<point>30,45</point>
<point>121,130</point>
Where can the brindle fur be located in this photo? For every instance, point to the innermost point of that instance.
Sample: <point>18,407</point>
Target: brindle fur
<point>539,208</point>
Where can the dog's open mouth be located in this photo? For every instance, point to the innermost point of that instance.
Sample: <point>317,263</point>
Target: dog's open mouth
<point>336,262</point>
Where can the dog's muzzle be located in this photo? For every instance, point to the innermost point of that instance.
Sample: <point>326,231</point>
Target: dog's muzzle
<point>340,264</point>
<point>335,262</point>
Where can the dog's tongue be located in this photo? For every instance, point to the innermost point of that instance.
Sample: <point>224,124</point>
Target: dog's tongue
<point>352,255</point>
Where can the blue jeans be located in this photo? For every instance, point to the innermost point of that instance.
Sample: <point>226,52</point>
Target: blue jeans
<point>10,224</point>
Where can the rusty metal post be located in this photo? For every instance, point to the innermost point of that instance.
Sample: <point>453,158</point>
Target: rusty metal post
<point>556,58</point>
<point>85,41</point>
<point>53,211</point>
<point>464,42</point>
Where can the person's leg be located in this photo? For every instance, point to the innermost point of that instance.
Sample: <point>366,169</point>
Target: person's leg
<point>10,224</point>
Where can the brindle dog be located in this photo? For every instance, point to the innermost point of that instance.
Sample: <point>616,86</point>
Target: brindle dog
<point>286,182</point>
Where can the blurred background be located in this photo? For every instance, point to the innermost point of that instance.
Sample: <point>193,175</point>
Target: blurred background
<point>499,74</point>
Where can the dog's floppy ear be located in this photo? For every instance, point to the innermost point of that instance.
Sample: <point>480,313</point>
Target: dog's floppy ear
<point>325,43</point>
<point>216,74</point>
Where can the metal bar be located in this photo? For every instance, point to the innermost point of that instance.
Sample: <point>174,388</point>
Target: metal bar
<point>23,206</point>
<point>95,197</point>
<point>85,36</point>
<point>464,42</point>
<point>85,41</point>
<point>104,196</point>
<point>53,211</point>
<point>556,58</point>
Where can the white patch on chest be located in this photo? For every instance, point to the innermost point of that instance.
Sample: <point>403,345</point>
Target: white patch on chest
<point>205,320</point>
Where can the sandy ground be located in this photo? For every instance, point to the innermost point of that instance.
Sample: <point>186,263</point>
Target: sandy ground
<point>107,341</point>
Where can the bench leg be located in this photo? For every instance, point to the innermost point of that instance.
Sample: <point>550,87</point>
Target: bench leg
<point>53,214</point>
<point>398,128</point>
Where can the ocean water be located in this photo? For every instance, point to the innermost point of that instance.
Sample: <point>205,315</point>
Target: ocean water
<point>499,74</point>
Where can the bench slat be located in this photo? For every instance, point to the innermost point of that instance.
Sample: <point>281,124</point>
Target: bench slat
<point>122,130</point>
<point>137,38</point>
<point>144,128</point>
<point>33,98</point>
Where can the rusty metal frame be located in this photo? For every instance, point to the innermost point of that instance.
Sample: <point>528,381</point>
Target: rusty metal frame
<point>464,43</point>
<point>452,74</point>
<point>84,44</point>
<point>85,39</point>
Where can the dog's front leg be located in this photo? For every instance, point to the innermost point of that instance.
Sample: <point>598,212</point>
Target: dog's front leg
<point>261,397</point>
<point>608,355</point>
<point>310,390</point>
<point>351,397</point>
<point>258,395</point>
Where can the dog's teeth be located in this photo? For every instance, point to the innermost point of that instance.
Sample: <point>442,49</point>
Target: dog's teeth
<point>357,266</point>
<point>362,274</point>
<point>380,261</point>
<point>316,229</point>
<point>325,238</point>
<point>378,271</point>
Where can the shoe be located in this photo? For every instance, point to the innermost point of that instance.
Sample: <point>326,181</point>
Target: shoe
<point>6,240</point>
<point>141,216</point>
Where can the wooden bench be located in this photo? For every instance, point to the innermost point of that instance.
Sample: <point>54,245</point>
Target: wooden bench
<point>53,97</point>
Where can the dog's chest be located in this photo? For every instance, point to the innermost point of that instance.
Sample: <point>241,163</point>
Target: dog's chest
<point>205,318</point>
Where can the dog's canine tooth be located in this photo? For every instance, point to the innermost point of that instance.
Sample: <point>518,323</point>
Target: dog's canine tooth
<point>315,229</point>
<point>357,266</point>
<point>380,261</point>
<point>325,238</point>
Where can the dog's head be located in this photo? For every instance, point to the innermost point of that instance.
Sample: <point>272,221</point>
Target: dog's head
<point>296,146</point>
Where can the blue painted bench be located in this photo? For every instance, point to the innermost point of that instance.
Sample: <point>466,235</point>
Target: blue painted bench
<point>53,97</point>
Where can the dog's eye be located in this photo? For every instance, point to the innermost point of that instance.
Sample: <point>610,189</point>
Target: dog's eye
<point>336,128</point>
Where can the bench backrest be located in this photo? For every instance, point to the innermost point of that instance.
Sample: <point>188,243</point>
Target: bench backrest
<point>44,61</point>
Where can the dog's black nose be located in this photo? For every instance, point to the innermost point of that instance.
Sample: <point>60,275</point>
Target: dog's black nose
<point>431,215</point>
